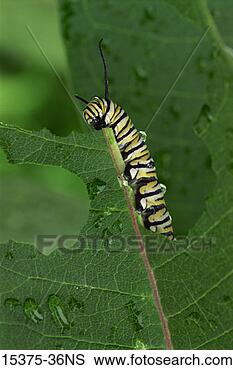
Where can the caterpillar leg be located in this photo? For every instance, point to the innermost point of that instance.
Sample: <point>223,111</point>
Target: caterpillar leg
<point>143,135</point>
<point>163,188</point>
<point>123,181</point>
<point>140,219</point>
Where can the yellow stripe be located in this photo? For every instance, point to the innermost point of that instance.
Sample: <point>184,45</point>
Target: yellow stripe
<point>143,157</point>
<point>128,138</point>
<point>148,187</point>
<point>95,107</point>
<point>116,111</point>
<point>142,173</point>
<point>157,215</point>
<point>120,125</point>
<point>134,143</point>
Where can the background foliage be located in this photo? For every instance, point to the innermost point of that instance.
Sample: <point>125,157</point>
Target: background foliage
<point>191,143</point>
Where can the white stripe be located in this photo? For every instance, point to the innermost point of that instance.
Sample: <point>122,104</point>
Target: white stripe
<point>133,172</point>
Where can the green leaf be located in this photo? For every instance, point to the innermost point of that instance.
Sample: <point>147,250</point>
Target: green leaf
<point>103,299</point>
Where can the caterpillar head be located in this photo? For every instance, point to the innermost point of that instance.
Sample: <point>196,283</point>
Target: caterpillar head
<point>94,113</point>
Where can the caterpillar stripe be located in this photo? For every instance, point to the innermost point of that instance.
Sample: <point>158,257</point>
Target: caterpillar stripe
<point>140,171</point>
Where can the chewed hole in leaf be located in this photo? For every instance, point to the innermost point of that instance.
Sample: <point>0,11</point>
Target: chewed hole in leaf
<point>12,303</point>
<point>58,313</point>
<point>203,121</point>
<point>95,187</point>
<point>32,310</point>
<point>40,201</point>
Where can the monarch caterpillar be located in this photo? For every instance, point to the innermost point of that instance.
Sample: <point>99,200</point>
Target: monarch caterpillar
<point>140,171</point>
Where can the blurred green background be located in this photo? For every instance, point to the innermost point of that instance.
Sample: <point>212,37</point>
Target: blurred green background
<point>36,199</point>
<point>31,95</point>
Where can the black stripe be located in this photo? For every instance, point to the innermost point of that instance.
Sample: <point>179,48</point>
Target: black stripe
<point>103,101</point>
<point>166,227</point>
<point>169,233</point>
<point>125,135</point>
<point>107,110</point>
<point>150,194</point>
<point>153,210</point>
<point>158,199</point>
<point>158,222</point>
<point>129,166</point>
<point>145,180</point>
<point>87,114</point>
<point>148,211</point>
<point>140,156</point>
<point>113,126</point>
<point>158,207</point>
<point>151,170</point>
<point>119,113</point>
<point>124,127</point>
<point>96,102</point>
<point>142,165</point>
<point>126,153</point>
<point>90,111</point>
<point>96,105</point>
<point>108,107</point>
